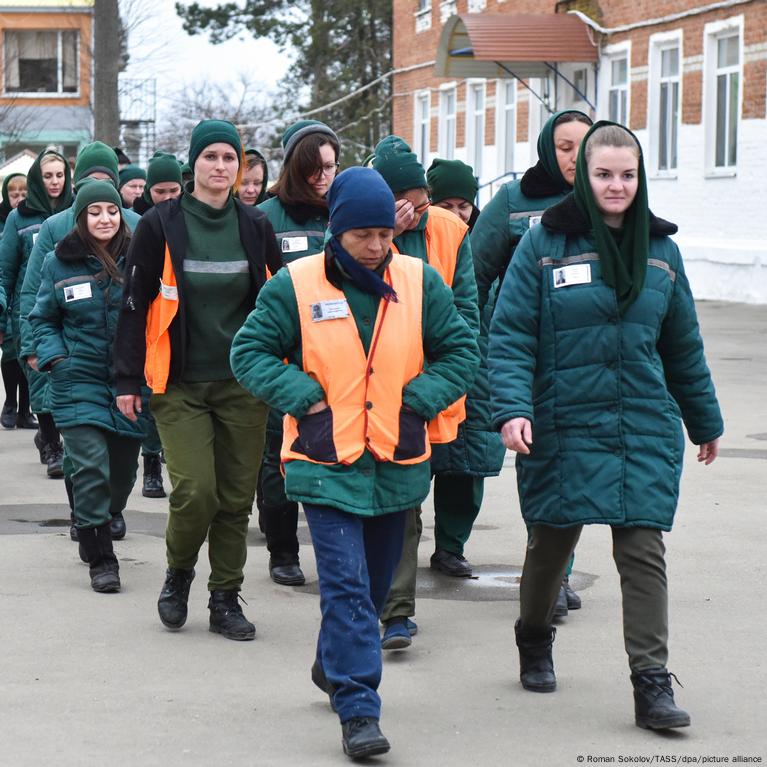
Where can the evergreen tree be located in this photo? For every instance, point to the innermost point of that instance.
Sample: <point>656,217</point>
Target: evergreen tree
<point>339,46</point>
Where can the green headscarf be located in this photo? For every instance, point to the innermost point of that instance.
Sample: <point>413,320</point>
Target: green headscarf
<point>624,265</point>
<point>5,205</point>
<point>547,151</point>
<point>37,198</point>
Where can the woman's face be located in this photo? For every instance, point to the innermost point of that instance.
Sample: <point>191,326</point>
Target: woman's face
<point>215,170</point>
<point>462,208</point>
<point>567,139</point>
<point>251,185</point>
<point>53,178</point>
<point>17,191</point>
<point>614,180</point>
<point>368,247</point>
<point>103,220</point>
<point>323,177</point>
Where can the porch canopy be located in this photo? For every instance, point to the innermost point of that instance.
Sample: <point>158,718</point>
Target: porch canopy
<point>500,45</point>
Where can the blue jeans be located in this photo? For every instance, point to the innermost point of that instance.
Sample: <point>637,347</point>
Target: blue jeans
<point>356,559</point>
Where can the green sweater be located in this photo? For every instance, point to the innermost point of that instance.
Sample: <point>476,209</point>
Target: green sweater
<point>217,284</point>
<point>272,333</point>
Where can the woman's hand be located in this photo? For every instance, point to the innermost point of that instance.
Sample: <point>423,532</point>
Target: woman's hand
<point>32,362</point>
<point>404,213</point>
<point>317,407</point>
<point>129,405</point>
<point>517,435</point>
<point>708,451</point>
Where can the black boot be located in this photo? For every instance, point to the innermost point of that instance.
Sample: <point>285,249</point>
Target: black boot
<point>654,706</point>
<point>117,526</point>
<point>71,499</point>
<point>52,455</point>
<point>226,616</point>
<point>96,544</point>
<point>560,606</point>
<point>8,416</point>
<point>26,421</point>
<point>573,600</point>
<point>39,444</point>
<point>172,604</point>
<point>287,574</point>
<point>362,737</point>
<point>321,681</point>
<point>152,477</point>
<point>536,665</point>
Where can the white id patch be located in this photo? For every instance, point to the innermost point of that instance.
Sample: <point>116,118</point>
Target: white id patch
<point>35,235</point>
<point>335,309</point>
<point>294,244</point>
<point>77,292</point>
<point>575,274</point>
<point>535,220</point>
<point>169,292</point>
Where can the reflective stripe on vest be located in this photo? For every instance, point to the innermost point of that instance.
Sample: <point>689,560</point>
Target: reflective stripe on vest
<point>444,236</point>
<point>364,393</point>
<point>159,317</point>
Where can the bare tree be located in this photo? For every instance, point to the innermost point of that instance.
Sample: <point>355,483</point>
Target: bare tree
<point>107,63</point>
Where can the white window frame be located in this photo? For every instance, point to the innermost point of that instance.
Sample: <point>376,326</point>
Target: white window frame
<point>613,53</point>
<point>657,45</point>
<point>475,144</point>
<point>422,15</point>
<point>447,8</point>
<point>502,109</point>
<point>58,93</point>
<point>446,133</point>
<point>712,33</point>
<point>421,138</point>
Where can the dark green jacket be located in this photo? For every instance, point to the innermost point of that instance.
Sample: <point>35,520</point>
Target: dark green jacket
<point>604,393</point>
<point>272,333</point>
<point>75,319</point>
<point>293,226</point>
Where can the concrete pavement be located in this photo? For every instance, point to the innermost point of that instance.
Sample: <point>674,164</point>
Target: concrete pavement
<point>90,678</point>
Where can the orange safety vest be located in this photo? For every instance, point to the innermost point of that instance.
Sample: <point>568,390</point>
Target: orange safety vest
<point>444,234</point>
<point>364,393</point>
<point>159,317</point>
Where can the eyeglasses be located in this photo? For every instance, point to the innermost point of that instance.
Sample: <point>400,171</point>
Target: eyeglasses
<point>423,207</point>
<point>328,169</point>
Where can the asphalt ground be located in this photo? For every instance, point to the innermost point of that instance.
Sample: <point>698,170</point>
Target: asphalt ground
<point>87,678</point>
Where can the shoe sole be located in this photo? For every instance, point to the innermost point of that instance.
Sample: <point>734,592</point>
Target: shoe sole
<point>154,493</point>
<point>288,581</point>
<point>235,637</point>
<point>171,626</point>
<point>663,724</point>
<point>374,749</point>
<point>540,688</point>
<point>113,589</point>
<point>55,474</point>
<point>396,643</point>
<point>451,573</point>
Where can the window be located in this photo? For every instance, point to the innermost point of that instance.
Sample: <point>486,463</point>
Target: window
<point>668,108</point>
<point>41,62</point>
<point>422,126</point>
<point>618,89</point>
<point>447,123</point>
<point>727,100</point>
<point>506,124</point>
<point>581,83</point>
<point>423,5</point>
<point>475,125</point>
<point>422,15</point>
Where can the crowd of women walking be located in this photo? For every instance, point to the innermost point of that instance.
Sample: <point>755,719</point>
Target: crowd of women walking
<point>349,341</point>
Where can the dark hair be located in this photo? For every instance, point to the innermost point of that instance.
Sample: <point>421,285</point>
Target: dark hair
<point>254,160</point>
<point>571,117</point>
<point>108,254</point>
<point>292,187</point>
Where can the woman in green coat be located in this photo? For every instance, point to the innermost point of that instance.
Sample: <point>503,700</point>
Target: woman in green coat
<point>595,352</point>
<point>49,190</point>
<point>74,323</point>
<point>298,212</point>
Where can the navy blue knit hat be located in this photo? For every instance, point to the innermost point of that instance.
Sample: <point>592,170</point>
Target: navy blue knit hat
<point>360,199</point>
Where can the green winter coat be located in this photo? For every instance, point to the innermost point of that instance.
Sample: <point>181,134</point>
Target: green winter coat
<point>299,231</point>
<point>477,450</point>
<point>604,393</point>
<point>272,334</point>
<point>75,318</point>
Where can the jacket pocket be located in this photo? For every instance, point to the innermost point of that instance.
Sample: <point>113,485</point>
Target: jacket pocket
<point>315,437</point>
<point>412,435</point>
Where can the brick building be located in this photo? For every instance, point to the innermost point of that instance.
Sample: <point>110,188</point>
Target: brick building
<point>689,78</point>
<point>46,75</point>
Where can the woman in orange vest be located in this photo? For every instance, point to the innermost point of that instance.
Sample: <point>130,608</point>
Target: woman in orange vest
<point>355,450</point>
<point>194,269</point>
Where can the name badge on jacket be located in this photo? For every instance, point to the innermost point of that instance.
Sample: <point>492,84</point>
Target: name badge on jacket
<point>76,292</point>
<point>575,274</point>
<point>294,244</point>
<point>533,220</point>
<point>169,292</point>
<point>335,309</point>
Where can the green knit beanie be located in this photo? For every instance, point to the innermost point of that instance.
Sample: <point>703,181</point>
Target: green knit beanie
<point>294,133</point>
<point>163,167</point>
<point>131,173</point>
<point>92,191</point>
<point>210,132</point>
<point>451,178</point>
<point>93,157</point>
<point>398,164</point>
